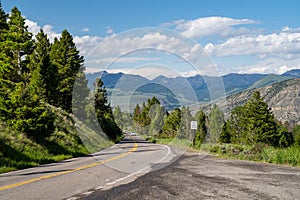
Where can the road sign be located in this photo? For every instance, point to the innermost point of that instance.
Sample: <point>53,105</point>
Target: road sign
<point>194,125</point>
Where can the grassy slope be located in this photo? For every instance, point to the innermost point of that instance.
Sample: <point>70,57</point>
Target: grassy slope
<point>70,139</point>
<point>259,152</point>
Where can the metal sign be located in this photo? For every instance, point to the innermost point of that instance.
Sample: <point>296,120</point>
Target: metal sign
<point>194,125</point>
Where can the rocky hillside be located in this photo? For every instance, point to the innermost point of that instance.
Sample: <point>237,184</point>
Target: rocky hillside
<point>283,98</point>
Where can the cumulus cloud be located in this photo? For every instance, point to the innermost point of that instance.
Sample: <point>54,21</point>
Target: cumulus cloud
<point>284,44</point>
<point>208,26</point>
<point>114,47</point>
<point>271,65</point>
<point>34,28</point>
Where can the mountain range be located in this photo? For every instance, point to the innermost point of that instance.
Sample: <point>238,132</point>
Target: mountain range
<point>182,90</point>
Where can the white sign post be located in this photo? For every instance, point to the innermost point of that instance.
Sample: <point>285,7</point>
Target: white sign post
<point>194,125</point>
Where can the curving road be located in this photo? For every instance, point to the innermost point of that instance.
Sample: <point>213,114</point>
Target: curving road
<point>122,163</point>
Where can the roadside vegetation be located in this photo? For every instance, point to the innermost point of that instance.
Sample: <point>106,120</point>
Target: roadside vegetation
<point>42,119</point>
<point>251,132</point>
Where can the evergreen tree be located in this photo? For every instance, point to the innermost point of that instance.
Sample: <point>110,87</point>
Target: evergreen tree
<point>28,114</point>
<point>118,116</point>
<point>185,127</point>
<point>103,111</point>
<point>80,95</point>
<point>260,122</point>
<point>39,64</point>
<point>216,121</point>
<point>157,114</point>
<point>65,56</point>
<point>137,113</point>
<point>5,63</point>
<point>296,134</point>
<point>225,136</point>
<point>201,128</point>
<point>172,124</point>
<point>3,18</point>
<point>18,43</point>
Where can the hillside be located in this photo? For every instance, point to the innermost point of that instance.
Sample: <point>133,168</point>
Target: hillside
<point>283,98</point>
<point>71,138</point>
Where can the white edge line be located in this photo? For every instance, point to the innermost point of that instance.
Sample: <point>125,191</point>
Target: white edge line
<point>143,169</point>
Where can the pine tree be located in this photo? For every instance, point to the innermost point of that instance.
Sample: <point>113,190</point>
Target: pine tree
<point>117,113</point>
<point>43,78</point>
<point>137,113</point>
<point>216,121</point>
<point>157,114</point>
<point>172,124</point>
<point>261,124</point>
<point>80,95</point>
<point>16,42</point>
<point>5,63</point>
<point>225,136</point>
<point>103,111</point>
<point>19,43</point>
<point>185,127</point>
<point>65,56</point>
<point>201,128</point>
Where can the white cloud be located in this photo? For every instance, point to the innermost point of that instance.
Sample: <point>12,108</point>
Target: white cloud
<point>85,29</point>
<point>283,44</point>
<point>125,59</point>
<point>86,43</point>
<point>34,28</point>
<point>148,39</point>
<point>109,31</point>
<point>208,26</point>
<point>271,65</point>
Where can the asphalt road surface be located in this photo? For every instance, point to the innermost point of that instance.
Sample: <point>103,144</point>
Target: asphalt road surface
<point>136,169</point>
<point>68,179</point>
<point>193,177</point>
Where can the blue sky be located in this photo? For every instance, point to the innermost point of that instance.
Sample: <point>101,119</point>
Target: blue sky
<point>239,36</point>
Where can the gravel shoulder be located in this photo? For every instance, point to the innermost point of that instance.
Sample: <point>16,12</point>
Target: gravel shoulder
<point>196,177</point>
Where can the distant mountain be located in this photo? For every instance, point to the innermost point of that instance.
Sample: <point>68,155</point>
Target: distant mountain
<point>293,73</point>
<point>268,80</point>
<point>183,90</point>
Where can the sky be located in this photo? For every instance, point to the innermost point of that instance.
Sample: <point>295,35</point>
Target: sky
<point>186,37</point>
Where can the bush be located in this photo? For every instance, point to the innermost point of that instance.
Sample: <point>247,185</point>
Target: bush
<point>296,134</point>
<point>215,149</point>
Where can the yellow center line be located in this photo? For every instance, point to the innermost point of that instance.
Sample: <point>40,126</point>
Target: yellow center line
<point>135,147</point>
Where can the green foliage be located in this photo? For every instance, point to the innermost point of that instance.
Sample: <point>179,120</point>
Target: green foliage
<point>225,136</point>
<point>201,129</point>
<point>34,74</point>
<point>296,134</point>
<point>44,74</point>
<point>185,124</point>
<point>157,114</point>
<point>254,123</point>
<point>172,124</point>
<point>137,113</point>
<point>215,124</point>
<point>104,113</point>
<point>18,43</point>
<point>65,57</point>
<point>28,115</point>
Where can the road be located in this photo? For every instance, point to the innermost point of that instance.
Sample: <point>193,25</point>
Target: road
<point>135,169</point>
<point>122,163</point>
<point>194,177</point>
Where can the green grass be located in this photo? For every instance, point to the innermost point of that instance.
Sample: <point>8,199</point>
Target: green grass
<point>258,152</point>
<point>18,151</point>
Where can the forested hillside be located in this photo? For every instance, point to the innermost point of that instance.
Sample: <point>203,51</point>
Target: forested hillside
<point>37,103</point>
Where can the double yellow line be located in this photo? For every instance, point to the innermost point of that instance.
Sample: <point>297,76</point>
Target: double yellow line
<point>135,147</point>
